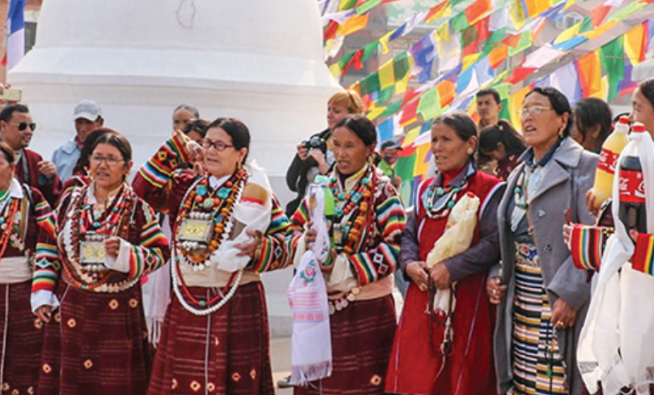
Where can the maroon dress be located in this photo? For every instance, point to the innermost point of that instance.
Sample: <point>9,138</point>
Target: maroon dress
<point>27,171</point>
<point>21,332</point>
<point>97,342</point>
<point>227,350</point>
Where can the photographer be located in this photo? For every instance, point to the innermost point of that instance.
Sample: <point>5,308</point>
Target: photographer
<point>313,156</point>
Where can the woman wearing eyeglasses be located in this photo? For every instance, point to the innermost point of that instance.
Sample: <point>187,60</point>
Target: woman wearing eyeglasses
<point>27,232</point>
<point>215,333</point>
<point>542,297</point>
<point>108,238</point>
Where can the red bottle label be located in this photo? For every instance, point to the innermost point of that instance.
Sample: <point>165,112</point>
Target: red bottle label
<point>632,187</point>
<point>608,161</point>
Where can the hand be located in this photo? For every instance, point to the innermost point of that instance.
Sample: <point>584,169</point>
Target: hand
<point>112,246</point>
<point>250,248</point>
<point>47,168</point>
<point>44,313</point>
<point>317,154</point>
<point>495,290</point>
<point>440,276</point>
<point>567,232</point>
<point>310,236</point>
<point>417,271</point>
<point>302,152</point>
<point>590,202</point>
<point>563,315</point>
<point>194,150</point>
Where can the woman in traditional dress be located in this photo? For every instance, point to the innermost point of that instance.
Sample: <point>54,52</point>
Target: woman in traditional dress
<point>503,144</point>
<point>108,238</point>
<point>542,298</point>
<point>365,230</point>
<point>448,351</point>
<point>27,230</point>
<point>215,333</point>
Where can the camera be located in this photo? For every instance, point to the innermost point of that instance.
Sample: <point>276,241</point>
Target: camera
<point>315,142</point>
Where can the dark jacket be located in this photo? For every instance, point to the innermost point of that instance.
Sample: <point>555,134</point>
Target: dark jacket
<point>296,175</point>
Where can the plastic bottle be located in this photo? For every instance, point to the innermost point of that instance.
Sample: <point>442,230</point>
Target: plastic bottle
<point>614,144</point>
<point>632,211</point>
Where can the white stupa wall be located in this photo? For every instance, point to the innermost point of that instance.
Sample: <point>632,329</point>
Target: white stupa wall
<point>257,60</point>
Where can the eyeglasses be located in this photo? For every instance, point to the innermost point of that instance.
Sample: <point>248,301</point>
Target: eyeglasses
<point>110,160</point>
<point>218,145</point>
<point>533,110</point>
<point>23,125</point>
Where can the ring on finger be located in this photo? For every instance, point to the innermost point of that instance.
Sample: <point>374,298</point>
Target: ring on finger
<point>560,324</point>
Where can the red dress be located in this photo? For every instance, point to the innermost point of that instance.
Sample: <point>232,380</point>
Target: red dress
<point>417,365</point>
<point>27,171</point>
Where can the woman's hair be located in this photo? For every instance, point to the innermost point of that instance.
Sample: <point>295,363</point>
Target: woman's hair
<point>236,129</point>
<point>348,98</point>
<point>647,89</point>
<point>189,108</point>
<point>501,132</point>
<point>361,126</point>
<point>559,103</point>
<point>8,153</point>
<point>590,113</point>
<point>114,139</point>
<point>198,126</point>
<point>88,147</point>
<point>460,122</point>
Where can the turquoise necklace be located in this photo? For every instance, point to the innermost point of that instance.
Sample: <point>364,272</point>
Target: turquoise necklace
<point>441,200</point>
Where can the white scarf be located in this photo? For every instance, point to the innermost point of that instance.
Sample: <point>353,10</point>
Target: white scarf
<point>311,347</point>
<point>615,342</point>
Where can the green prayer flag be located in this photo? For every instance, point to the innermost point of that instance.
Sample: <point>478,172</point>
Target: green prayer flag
<point>370,84</point>
<point>627,11</point>
<point>401,65</point>
<point>404,167</point>
<point>367,6</point>
<point>385,95</point>
<point>612,58</point>
<point>429,106</point>
<point>391,109</point>
<point>524,43</point>
<point>460,22</point>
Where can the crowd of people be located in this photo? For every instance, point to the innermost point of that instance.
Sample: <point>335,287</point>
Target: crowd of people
<point>493,300</point>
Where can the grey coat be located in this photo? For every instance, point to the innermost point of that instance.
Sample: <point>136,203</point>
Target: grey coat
<point>567,177</point>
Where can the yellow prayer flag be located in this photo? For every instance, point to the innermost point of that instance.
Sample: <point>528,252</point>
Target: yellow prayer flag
<point>354,24</point>
<point>599,30</point>
<point>383,41</point>
<point>335,70</point>
<point>411,136</point>
<point>568,33</point>
<point>374,111</point>
<point>421,166</point>
<point>469,60</point>
<point>401,85</point>
<point>569,4</point>
<point>387,75</point>
<point>633,44</point>
<point>517,14</point>
<point>515,103</point>
<point>443,33</point>
<point>605,88</point>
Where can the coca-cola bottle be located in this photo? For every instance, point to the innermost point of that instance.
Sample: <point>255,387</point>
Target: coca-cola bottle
<point>632,211</point>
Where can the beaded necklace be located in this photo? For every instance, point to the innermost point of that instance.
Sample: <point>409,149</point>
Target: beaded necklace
<point>8,225</point>
<point>441,200</point>
<point>218,205</point>
<point>85,224</point>
<point>520,197</point>
<point>201,203</point>
<point>356,209</point>
<point>352,207</point>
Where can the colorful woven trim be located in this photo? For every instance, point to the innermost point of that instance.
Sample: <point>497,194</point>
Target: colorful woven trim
<point>643,259</point>
<point>158,169</point>
<point>587,245</point>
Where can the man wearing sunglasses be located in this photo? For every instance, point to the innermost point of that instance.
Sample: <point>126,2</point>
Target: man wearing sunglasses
<point>88,117</point>
<point>17,129</point>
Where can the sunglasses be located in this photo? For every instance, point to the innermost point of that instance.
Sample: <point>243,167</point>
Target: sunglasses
<point>23,125</point>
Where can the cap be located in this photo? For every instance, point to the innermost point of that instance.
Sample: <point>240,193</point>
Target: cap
<point>87,109</point>
<point>390,144</point>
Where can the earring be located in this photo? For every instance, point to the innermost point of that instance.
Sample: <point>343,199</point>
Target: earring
<point>561,132</point>
<point>470,151</point>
